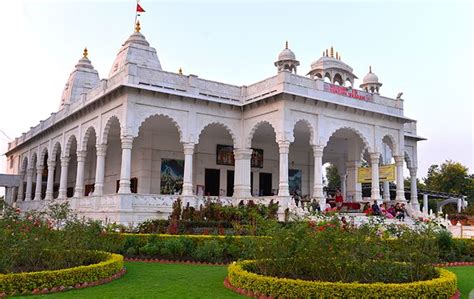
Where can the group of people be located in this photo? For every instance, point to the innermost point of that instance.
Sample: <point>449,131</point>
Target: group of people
<point>397,211</point>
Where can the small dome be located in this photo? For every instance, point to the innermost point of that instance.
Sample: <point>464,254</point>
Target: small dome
<point>370,77</point>
<point>287,54</point>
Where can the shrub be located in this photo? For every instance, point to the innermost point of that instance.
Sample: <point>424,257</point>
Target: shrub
<point>209,251</point>
<point>443,286</point>
<point>19,283</point>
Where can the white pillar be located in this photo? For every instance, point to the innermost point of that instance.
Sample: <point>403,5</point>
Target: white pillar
<point>63,180</point>
<point>50,182</point>
<point>374,160</point>
<point>188,169</point>
<point>81,161</point>
<point>400,183</point>
<point>343,186</point>
<point>386,190</point>
<point>101,150</point>
<point>413,190</point>
<point>318,175</point>
<point>29,183</point>
<point>283,188</point>
<point>425,203</point>
<point>242,173</point>
<point>39,182</point>
<point>354,189</point>
<point>124,186</point>
<point>21,188</point>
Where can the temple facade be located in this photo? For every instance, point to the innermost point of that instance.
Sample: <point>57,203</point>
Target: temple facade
<point>123,149</point>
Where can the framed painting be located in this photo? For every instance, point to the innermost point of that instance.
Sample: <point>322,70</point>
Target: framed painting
<point>225,155</point>
<point>172,172</point>
<point>257,158</point>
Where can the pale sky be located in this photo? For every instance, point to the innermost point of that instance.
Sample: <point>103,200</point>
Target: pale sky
<point>422,48</point>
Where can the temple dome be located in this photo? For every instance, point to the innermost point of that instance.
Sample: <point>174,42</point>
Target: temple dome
<point>371,83</point>
<point>370,78</point>
<point>287,60</point>
<point>83,78</point>
<point>331,66</point>
<point>136,50</point>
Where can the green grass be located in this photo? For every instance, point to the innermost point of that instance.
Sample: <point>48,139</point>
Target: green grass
<point>465,279</point>
<point>154,280</point>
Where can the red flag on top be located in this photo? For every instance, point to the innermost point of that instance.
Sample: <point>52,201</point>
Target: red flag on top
<point>139,8</point>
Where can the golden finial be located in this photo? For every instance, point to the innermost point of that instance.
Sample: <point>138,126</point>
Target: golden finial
<point>323,53</point>
<point>286,45</point>
<point>337,55</point>
<point>332,51</point>
<point>327,52</point>
<point>137,26</point>
<point>85,52</point>
<point>370,69</point>
<point>180,71</point>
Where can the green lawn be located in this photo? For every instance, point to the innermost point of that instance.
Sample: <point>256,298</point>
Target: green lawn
<point>465,279</point>
<point>154,280</point>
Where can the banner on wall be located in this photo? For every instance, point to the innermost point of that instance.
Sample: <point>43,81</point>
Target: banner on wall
<point>386,174</point>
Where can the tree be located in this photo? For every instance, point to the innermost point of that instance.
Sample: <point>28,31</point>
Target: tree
<point>450,177</point>
<point>332,174</point>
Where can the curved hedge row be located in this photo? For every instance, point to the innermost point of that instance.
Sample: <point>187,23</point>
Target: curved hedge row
<point>19,283</point>
<point>442,287</point>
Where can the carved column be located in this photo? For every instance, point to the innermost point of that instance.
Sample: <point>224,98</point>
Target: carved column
<point>21,188</point>
<point>125,171</point>
<point>283,188</point>
<point>374,160</point>
<point>354,189</point>
<point>188,169</point>
<point>39,181</point>
<point>29,183</point>
<point>413,190</point>
<point>400,183</point>
<point>425,204</point>
<point>101,150</point>
<point>242,173</point>
<point>343,186</point>
<point>63,180</point>
<point>81,161</point>
<point>50,182</point>
<point>318,174</point>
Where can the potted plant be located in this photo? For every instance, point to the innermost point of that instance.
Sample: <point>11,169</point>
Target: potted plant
<point>453,218</point>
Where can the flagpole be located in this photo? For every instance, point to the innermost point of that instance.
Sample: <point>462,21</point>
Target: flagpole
<point>136,14</point>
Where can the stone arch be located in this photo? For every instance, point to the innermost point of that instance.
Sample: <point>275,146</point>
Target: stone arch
<point>308,125</point>
<point>175,123</point>
<point>68,145</point>
<point>24,164</point>
<point>354,130</point>
<point>408,160</point>
<point>43,153</point>
<point>391,141</point>
<point>34,159</point>
<point>338,79</point>
<point>108,124</point>
<point>56,149</point>
<point>227,128</point>
<point>248,140</point>
<point>86,136</point>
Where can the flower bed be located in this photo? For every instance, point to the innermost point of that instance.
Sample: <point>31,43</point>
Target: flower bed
<point>33,282</point>
<point>252,284</point>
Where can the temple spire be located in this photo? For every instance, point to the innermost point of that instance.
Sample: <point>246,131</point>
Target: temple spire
<point>137,26</point>
<point>85,53</point>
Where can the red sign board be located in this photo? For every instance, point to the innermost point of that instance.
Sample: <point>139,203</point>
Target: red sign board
<point>348,92</point>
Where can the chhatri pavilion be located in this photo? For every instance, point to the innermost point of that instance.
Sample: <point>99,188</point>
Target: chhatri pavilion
<point>124,148</point>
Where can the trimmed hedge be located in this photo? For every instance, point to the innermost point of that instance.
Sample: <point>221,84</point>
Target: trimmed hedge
<point>442,287</point>
<point>20,283</point>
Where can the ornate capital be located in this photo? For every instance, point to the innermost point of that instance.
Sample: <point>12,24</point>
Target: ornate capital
<point>399,160</point>
<point>51,164</point>
<point>374,158</point>
<point>81,156</point>
<point>65,161</point>
<point>39,169</point>
<point>242,153</point>
<point>101,149</point>
<point>284,146</point>
<point>318,150</point>
<point>127,142</point>
<point>413,171</point>
<point>188,148</point>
